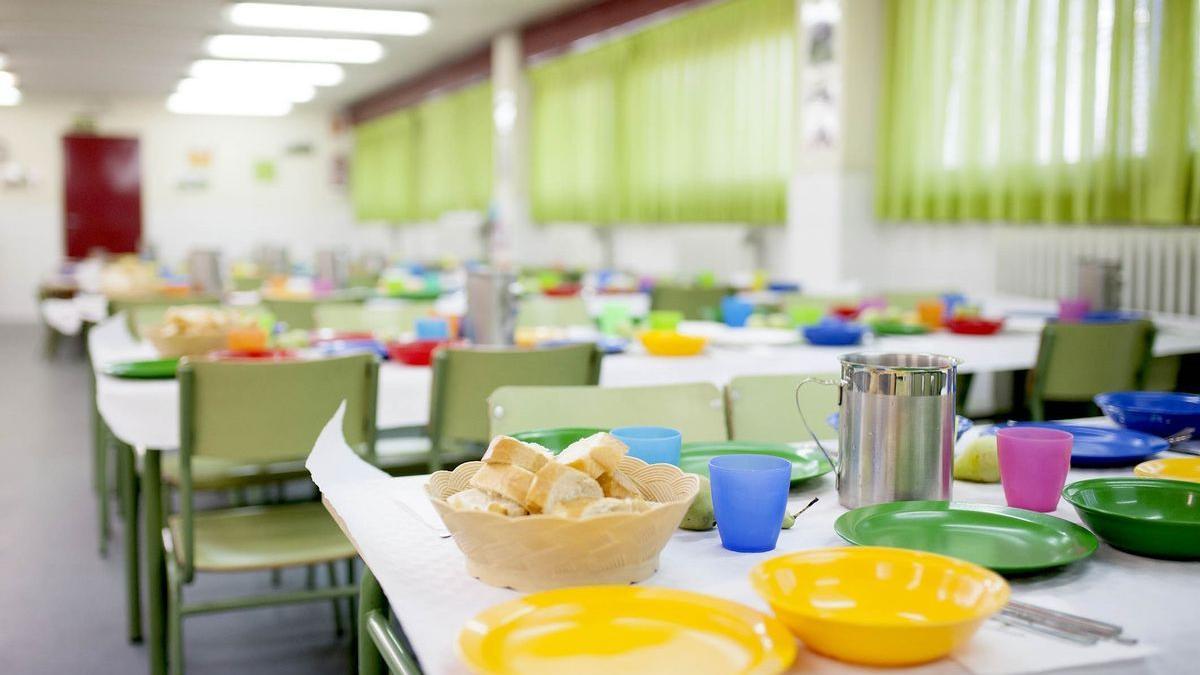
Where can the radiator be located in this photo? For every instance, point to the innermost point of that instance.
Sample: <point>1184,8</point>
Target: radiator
<point>1158,266</point>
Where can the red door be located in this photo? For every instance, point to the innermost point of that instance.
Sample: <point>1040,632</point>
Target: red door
<point>102,188</point>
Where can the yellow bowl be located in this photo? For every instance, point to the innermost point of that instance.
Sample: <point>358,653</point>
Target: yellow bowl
<point>1177,468</point>
<point>879,606</point>
<point>670,343</point>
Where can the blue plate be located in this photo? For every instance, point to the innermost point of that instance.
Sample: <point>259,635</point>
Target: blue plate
<point>342,347</point>
<point>1112,316</point>
<point>607,345</point>
<point>834,334</point>
<point>1100,447</point>
<point>961,423</point>
<point>1161,413</point>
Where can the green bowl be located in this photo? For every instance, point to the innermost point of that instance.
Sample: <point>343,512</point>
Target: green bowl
<point>888,327</point>
<point>1149,517</point>
<point>557,439</point>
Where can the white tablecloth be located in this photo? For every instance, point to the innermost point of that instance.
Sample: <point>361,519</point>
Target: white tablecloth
<point>432,595</point>
<point>67,316</point>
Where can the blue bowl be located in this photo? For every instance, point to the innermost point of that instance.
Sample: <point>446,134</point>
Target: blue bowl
<point>1160,413</point>
<point>1114,316</point>
<point>961,424</point>
<point>834,334</point>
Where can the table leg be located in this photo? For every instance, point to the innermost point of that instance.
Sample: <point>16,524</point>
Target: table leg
<point>156,590</point>
<point>128,485</point>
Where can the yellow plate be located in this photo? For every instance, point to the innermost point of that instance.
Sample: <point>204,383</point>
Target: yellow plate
<point>670,343</point>
<point>1178,468</point>
<point>879,606</point>
<point>624,629</point>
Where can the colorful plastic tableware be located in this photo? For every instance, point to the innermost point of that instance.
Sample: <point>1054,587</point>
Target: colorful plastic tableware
<point>1100,447</point>
<point>670,343</point>
<point>1145,516</point>
<point>432,328</point>
<point>749,494</point>
<point>845,312</point>
<point>735,311</point>
<point>604,630</point>
<point>664,320</point>
<point>833,334</point>
<point>1174,468</point>
<point>1161,413</point>
<point>1034,462</point>
<point>1006,540</point>
<point>961,424</point>
<point>879,606</point>
<point>151,369</point>
<point>974,326</point>
<point>342,347</point>
<point>1072,310</point>
<point>1112,316</point>
<point>892,327</point>
<point>806,462</point>
<point>556,440</point>
<point>263,355</point>
<point>415,353</point>
<point>653,445</point>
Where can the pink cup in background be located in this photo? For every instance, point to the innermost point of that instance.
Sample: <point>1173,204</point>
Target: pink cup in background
<point>1033,466</point>
<point>1073,310</point>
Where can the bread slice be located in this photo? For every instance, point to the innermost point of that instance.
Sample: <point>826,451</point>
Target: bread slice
<point>594,455</point>
<point>508,450</point>
<point>617,484</point>
<point>474,499</point>
<point>556,483</point>
<point>503,480</point>
<point>585,508</point>
<point>573,508</point>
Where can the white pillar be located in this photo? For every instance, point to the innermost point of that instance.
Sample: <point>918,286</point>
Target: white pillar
<point>510,119</point>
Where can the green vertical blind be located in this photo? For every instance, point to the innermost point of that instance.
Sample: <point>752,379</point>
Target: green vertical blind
<point>423,161</point>
<point>1076,111</point>
<point>686,121</point>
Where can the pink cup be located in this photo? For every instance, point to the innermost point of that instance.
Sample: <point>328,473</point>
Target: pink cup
<point>1073,310</point>
<point>1033,466</point>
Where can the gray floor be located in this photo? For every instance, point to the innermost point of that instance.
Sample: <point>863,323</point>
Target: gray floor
<point>62,606</point>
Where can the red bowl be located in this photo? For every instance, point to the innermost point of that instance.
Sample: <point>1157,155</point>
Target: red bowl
<point>848,312</point>
<point>563,290</point>
<point>974,326</point>
<point>254,355</point>
<point>320,336</point>
<point>416,353</point>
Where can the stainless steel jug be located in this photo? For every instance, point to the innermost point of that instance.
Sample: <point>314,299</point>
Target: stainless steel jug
<point>1100,282</point>
<point>895,428</point>
<point>491,317</point>
<point>204,271</point>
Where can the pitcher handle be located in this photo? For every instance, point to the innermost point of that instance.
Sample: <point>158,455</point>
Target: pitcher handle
<point>837,475</point>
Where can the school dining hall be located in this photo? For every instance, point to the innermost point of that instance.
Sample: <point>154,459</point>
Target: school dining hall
<point>593,337</point>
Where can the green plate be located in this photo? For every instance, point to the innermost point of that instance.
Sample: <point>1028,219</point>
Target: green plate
<point>1145,516</point>
<point>418,294</point>
<point>558,439</point>
<point>898,328</point>
<point>1009,541</point>
<point>806,462</point>
<point>155,369</point>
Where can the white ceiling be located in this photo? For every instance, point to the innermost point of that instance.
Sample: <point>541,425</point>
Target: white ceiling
<point>106,49</point>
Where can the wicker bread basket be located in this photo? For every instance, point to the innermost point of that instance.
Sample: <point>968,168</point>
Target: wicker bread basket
<point>194,344</point>
<point>539,552</point>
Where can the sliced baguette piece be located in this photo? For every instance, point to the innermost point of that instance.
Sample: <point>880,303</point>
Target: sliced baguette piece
<point>556,483</point>
<point>594,455</point>
<point>508,450</point>
<point>586,508</point>
<point>503,480</point>
<point>617,484</point>
<point>474,499</point>
<point>573,508</point>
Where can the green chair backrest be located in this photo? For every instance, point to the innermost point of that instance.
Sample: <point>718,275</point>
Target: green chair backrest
<point>297,314</point>
<point>790,300</point>
<point>696,410</point>
<point>145,313</point>
<point>391,320</point>
<point>247,283</point>
<point>464,378</point>
<point>541,310</point>
<point>695,303</point>
<point>763,408</point>
<point>1076,361</point>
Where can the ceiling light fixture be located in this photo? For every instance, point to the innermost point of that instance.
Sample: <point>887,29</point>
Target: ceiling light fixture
<point>317,74</point>
<point>188,104</point>
<point>7,80</point>
<point>294,91</point>
<point>281,48</point>
<point>331,19</point>
<point>10,96</point>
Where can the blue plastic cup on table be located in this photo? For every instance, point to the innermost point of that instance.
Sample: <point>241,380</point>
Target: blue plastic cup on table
<point>749,494</point>
<point>432,328</point>
<point>653,445</point>
<point>735,311</point>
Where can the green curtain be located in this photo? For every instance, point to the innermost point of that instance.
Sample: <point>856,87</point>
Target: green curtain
<point>454,151</point>
<point>1064,111</point>
<point>383,173</point>
<point>686,121</point>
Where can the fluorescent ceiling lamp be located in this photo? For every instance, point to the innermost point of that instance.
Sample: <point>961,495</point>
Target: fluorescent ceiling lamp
<point>188,104</point>
<point>329,19</point>
<point>294,91</point>
<point>7,80</point>
<point>10,96</point>
<point>281,48</point>
<point>318,74</point>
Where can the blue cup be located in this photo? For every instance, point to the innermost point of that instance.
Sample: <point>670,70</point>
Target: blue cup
<point>735,311</point>
<point>749,494</point>
<point>653,445</point>
<point>432,328</point>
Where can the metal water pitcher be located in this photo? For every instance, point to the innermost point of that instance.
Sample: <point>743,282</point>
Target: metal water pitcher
<point>895,428</point>
<point>491,317</point>
<point>204,271</point>
<point>333,266</point>
<point>1100,283</point>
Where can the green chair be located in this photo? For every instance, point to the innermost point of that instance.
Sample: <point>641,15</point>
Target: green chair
<point>540,310</point>
<point>391,321</point>
<point>297,314</point>
<point>260,413</point>
<point>246,282</point>
<point>696,410</point>
<point>1076,361</point>
<point>464,378</point>
<point>695,303</point>
<point>763,408</point>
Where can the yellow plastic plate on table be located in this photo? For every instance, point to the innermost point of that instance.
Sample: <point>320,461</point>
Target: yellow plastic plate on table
<point>879,606</point>
<point>623,629</point>
<point>1177,468</point>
